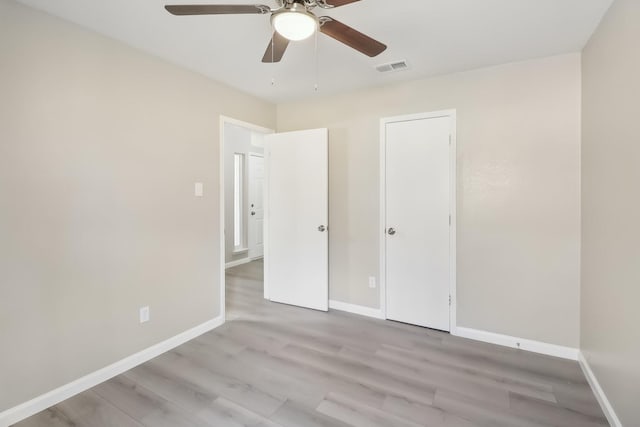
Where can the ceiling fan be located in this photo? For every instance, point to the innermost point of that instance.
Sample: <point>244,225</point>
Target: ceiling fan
<point>292,20</point>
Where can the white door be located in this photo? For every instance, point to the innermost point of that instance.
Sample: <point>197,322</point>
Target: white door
<point>256,205</point>
<point>417,234</point>
<point>296,248</point>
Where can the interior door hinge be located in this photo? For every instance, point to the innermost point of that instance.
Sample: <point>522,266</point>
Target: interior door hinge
<point>449,220</point>
<point>449,299</point>
<point>450,139</point>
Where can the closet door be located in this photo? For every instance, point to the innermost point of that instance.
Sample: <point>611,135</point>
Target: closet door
<point>417,233</point>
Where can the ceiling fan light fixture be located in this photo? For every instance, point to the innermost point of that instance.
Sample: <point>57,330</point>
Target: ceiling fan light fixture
<point>295,23</point>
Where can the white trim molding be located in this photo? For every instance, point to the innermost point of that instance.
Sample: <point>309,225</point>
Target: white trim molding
<point>519,343</point>
<point>237,262</point>
<point>356,309</point>
<point>606,406</point>
<point>53,397</point>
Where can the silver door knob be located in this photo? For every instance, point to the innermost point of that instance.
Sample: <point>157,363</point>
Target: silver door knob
<point>253,213</point>
<point>391,231</point>
<point>322,228</point>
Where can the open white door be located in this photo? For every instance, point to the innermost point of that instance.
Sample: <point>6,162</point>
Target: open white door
<point>296,247</point>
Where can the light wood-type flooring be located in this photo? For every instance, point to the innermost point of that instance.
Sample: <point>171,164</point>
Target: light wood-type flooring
<point>273,365</point>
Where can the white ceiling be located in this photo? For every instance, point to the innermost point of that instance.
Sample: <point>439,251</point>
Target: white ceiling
<point>434,36</point>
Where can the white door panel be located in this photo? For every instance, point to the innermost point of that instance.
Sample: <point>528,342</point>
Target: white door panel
<point>296,259</point>
<point>418,208</point>
<point>256,205</point>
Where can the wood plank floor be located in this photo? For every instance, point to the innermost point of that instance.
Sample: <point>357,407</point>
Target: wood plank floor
<point>274,365</point>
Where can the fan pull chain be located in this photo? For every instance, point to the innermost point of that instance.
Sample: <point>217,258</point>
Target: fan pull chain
<point>273,47</point>
<point>316,52</point>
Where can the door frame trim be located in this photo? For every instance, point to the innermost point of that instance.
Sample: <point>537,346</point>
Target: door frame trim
<point>451,113</point>
<point>221,152</point>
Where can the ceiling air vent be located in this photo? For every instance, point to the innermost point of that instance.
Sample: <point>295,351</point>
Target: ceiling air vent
<point>392,66</point>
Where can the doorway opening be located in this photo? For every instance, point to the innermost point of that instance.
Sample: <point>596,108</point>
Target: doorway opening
<point>274,213</point>
<point>242,200</point>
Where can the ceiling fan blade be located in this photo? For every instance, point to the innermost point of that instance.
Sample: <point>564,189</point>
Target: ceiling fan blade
<point>275,50</point>
<point>338,3</point>
<point>351,37</point>
<point>217,9</point>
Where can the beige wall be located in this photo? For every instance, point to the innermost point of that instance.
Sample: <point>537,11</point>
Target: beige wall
<point>610,333</point>
<point>518,191</point>
<point>99,148</point>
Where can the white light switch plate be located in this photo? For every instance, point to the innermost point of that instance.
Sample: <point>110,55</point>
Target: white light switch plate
<point>372,282</point>
<point>199,189</point>
<point>144,314</point>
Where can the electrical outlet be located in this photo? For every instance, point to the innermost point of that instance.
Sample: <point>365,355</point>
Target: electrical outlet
<point>144,314</point>
<point>372,282</point>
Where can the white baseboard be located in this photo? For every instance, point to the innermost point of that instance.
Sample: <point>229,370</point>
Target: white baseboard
<point>237,262</point>
<point>356,309</point>
<point>515,342</point>
<point>606,406</point>
<point>44,401</point>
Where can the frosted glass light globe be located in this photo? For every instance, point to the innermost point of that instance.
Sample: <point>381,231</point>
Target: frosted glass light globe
<point>295,25</point>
